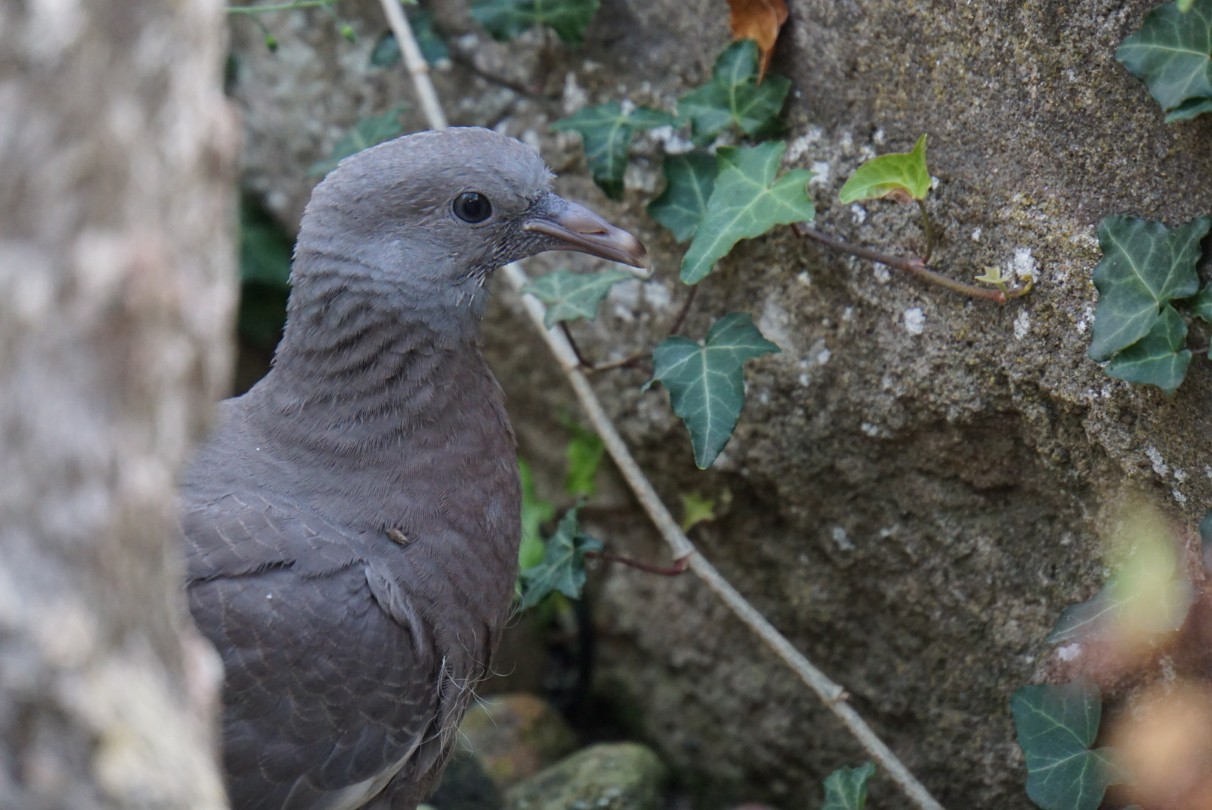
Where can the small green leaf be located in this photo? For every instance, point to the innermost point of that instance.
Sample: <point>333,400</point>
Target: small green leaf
<point>1144,267</point>
<point>705,382</point>
<point>535,512</point>
<point>1201,304</point>
<point>903,176</point>
<point>368,132</point>
<point>1185,5</point>
<point>1056,726</point>
<point>696,509</point>
<point>563,566</point>
<point>570,295</point>
<point>1172,55</point>
<point>506,19</point>
<point>689,180</point>
<point>606,131</point>
<point>584,455</point>
<point>747,201</point>
<point>846,788</point>
<point>386,53</point>
<point>1158,358</point>
<point>734,97</point>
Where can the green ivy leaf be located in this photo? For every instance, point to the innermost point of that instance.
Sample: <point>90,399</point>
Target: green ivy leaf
<point>535,512</point>
<point>1158,358</point>
<point>696,509</point>
<point>606,131</point>
<point>689,180</point>
<point>846,788</point>
<point>1201,304</point>
<point>570,295</point>
<point>368,132</point>
<point>747,201</point>
<point>902,176</point>
<point>1056,726</point>
<point>584,455</point>
<point>1172,55</point>
<point>1144,267</point>
<point>563,566</point>
<point>386,53</point>
<point>734,97</point>
<point>705,382</point>
<point>506,19</point>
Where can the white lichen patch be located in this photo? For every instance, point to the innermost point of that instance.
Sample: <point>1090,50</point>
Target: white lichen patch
<point>822,357</point>
<point>1068,652</point>
<point>915,320</point>
<point>804,278</point>
<point>574,97</point>
<point>774,323</point>
<point>671,140</point>
<point>881,272</point>
<point>878,137</point>
<point>1024,265</point>
<point>1155,458</point>
<point>798,147</point>
<point>841,538</point>
<point>1179,497</point>
<point>870,429</point>
<point>858,213</point>
<point>820,173</point>
<point>976,234</point>
<point>1022,324</point>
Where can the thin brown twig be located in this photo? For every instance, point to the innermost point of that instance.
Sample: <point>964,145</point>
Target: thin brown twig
<point>680,318</point>
<point>914,266</point>
<point>585,364</point>
<point>679,565</point>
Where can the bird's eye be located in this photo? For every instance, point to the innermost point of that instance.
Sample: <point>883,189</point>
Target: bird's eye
<point>472,206</point>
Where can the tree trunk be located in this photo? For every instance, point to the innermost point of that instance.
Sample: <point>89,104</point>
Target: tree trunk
<point>116,296</point>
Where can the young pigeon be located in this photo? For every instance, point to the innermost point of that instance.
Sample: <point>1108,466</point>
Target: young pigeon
<point>351,525</point>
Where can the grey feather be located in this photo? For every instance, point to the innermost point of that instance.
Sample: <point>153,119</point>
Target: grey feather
<point>351,525</point>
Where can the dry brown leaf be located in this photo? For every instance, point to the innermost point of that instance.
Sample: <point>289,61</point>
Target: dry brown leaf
<point>759,20</point>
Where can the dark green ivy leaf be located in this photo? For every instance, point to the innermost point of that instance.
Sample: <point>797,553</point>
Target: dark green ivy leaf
<point>1144,267</point>
<point>606,131</point>
<point>535,512</point>
<point>570,295</point>
<point>1158,358</point>
<point>846,788</point>
<point>705,380</point>
<point>506,19</point>
<point>689,180</point>
<point>386,52</point>
<point>1172,55</point>
<point>747,201</point>
<point>1201,304</point>
<point>368,132</point>
<point>1056,726</point>
<point>563,565</point>
<point>265,249</point>
<point>734,97</point>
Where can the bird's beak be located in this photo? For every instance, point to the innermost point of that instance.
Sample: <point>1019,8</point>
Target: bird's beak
<point>577,228</point>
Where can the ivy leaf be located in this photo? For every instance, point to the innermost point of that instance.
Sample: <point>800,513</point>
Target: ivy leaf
<point>705,382</point>
<point>1158,358</point>
<point>1201,305</point>
<point>265,249</point>
<point>1056,726</point>
<point>746,202</point>
<point>1144,267</point>
<point>506,19</point>
<point>1172,55</point>
<point>584,455</point>
<point>733,97</point>
<point>846,788</point>
<point>696,509</point>
<point>563,566</point>
<point>900,176</point>
<point>689,180</point>
<point>570,295</point>
<point>606,131</point>
<point>386,53</point>
<point>368,132</point>
<point>535,512</point>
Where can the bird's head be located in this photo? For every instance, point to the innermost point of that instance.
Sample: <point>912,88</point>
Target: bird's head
<point>429,216</point>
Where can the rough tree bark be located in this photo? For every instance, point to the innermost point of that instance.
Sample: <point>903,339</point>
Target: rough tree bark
<point>116,294</point>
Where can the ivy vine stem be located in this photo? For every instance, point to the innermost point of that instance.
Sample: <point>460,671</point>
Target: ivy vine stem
<point>912,265</point>
<point>296,4</point>
<point>679,565</point>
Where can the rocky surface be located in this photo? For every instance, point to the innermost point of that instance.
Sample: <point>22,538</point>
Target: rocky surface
<point>918,482</point>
